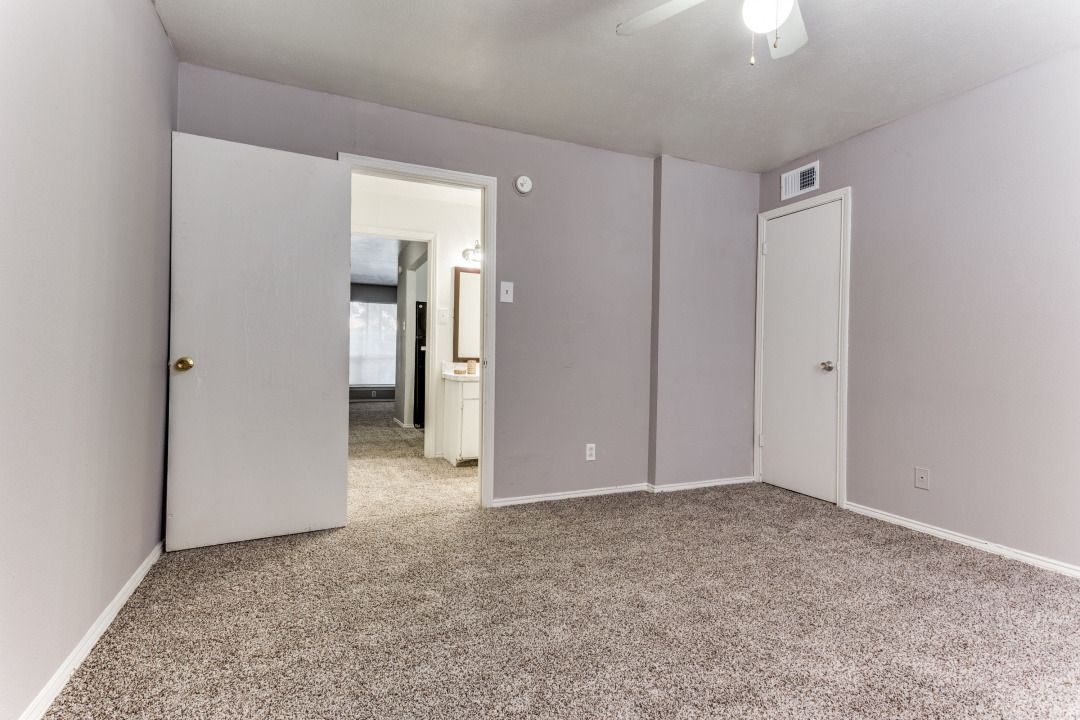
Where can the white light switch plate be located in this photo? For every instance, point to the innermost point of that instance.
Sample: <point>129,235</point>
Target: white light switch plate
<point>506,292</point>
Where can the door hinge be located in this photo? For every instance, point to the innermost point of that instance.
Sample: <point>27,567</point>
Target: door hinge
<point>764,248</point>
<point>761,440</point>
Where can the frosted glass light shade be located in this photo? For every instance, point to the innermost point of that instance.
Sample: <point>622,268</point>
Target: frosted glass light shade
<point>764,16</point>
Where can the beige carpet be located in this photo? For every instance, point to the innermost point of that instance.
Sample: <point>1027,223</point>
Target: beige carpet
<point>736,602</point>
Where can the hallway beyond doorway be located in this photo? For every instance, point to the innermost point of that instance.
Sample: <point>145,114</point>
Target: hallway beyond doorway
<point>389,475</point>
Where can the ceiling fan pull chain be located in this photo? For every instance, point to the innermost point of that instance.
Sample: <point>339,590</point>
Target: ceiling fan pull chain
<point>752,60</point>
<point>776,42</point>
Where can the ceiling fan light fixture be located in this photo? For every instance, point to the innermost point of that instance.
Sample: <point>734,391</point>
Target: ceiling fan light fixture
<point>764,16</point>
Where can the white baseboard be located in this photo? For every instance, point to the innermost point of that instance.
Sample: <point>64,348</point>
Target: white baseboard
<point>635,487</point>
<point>985,545</point>
<point>672,487</point>
<point>71,663</point>
<point>545,497</point>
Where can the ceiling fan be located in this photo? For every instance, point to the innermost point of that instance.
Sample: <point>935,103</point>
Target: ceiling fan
<point>781,19</point>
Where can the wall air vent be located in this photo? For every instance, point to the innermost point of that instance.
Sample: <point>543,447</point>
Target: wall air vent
<point>800,180</point>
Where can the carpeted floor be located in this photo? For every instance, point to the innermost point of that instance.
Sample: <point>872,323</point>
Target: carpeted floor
<point>733,602</point>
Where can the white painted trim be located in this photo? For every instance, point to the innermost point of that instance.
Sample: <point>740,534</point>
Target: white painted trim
<point>673,487</point>
<point>394,233</point>
<point>844,196</point>
<point>489,186</point>
<point>410,427</point>
<point>545,497</point>
<point>984,545</point>
<point>634,487</point>
<point>56,683</point>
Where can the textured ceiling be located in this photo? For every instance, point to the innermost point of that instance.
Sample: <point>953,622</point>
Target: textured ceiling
<point>556,68</point>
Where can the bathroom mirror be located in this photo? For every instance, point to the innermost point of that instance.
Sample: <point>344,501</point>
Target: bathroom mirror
<point>468,314</point>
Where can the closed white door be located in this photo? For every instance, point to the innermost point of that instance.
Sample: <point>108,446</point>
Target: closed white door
<point>801,271</point>
<point>258,426</point>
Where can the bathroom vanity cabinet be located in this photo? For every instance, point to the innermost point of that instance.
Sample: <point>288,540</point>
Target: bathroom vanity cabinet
<point>461,417</point>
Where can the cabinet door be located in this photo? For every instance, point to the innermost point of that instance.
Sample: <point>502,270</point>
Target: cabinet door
<point>451,425</point>
<point>470,428</point>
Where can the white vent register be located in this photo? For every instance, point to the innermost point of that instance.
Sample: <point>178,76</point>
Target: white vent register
<point>800,180</point>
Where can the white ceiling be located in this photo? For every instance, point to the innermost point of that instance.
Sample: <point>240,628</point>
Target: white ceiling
<point>374,260</point>
<point>556,68</point>
<point>413,190</point>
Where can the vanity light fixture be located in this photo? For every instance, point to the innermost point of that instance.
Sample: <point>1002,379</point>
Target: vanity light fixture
<point>473,254</point>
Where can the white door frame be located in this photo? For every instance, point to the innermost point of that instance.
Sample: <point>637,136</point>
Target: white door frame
<point>844,196</point>
<point>488,185</point>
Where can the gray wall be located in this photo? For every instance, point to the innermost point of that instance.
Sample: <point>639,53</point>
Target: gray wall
<point>362,292</point>
<point>88,92</point>
<point>573,349</point>
<point>965,310</point>
<point>422,282</point>
<point>704,268</point>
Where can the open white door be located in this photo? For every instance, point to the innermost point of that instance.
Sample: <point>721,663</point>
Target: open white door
<point>258,426</point>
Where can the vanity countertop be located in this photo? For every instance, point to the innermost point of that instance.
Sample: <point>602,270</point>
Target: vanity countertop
<point>461,378</point>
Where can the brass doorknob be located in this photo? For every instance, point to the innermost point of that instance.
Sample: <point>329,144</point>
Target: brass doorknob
<point>827,366</point>
<point>184,364</point>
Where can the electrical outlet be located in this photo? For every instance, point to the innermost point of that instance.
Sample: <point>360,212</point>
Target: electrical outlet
<point>590,452</point>
<point>922,478</point>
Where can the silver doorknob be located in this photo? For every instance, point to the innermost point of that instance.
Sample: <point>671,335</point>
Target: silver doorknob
<point>827,366</point>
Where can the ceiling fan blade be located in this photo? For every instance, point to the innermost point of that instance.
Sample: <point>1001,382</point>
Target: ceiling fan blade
<point>657,15</point>
<point>792,35</point>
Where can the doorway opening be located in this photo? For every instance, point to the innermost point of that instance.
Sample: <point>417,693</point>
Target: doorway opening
<point>421,404</point>
<point>374,317</point>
